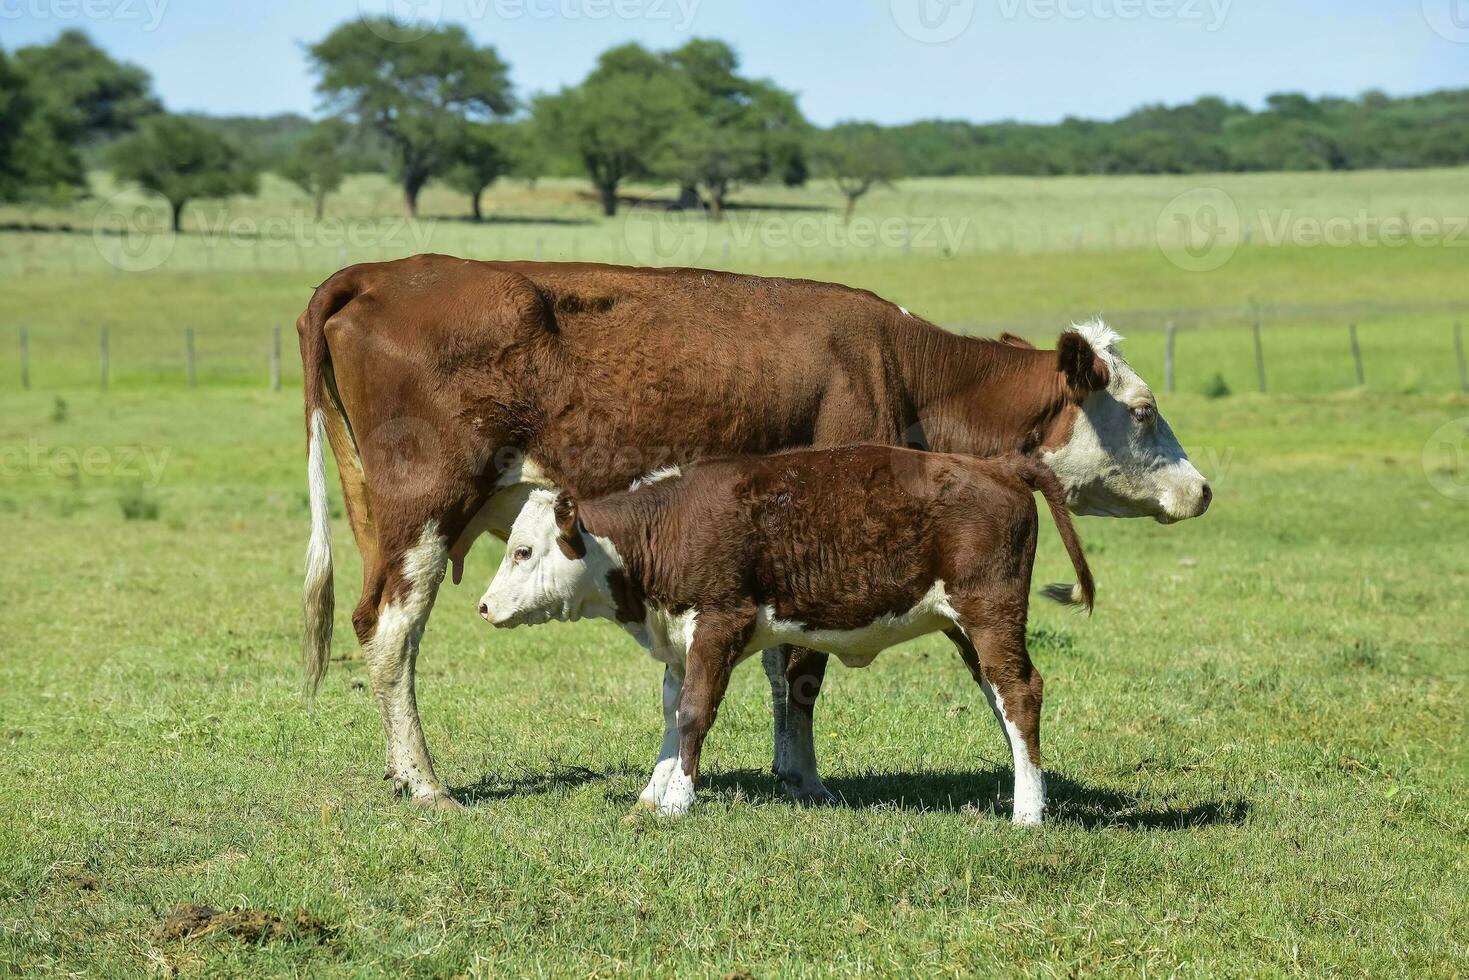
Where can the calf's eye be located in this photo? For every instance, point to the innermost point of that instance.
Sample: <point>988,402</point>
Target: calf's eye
<point>1144,413</point>
<point>522,553</point>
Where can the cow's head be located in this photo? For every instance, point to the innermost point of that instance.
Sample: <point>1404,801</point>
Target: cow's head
<point>553,568</point>
<point>1114,454</point>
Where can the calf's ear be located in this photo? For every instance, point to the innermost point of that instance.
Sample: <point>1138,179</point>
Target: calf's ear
<point>568,527</point>
<point>1082,367</point>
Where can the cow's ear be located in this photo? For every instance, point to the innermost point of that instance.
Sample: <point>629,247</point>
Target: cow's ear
<point>568,527</point>
<point>1014,341</point>
<point>1081,366</point>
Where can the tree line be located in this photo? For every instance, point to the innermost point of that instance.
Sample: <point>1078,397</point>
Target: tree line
<point>442,108</point>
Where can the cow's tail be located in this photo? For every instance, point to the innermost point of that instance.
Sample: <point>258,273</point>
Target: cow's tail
<point>1083,593</point>
<point>320,593</point>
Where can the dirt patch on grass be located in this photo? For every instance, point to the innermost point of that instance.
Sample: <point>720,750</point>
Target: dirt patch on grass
<point>190,921</point>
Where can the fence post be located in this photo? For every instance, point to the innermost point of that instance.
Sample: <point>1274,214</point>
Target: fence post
<point>1459,349</point>
<point>1259,358</point>
<point>189,355</point>
<point>1168,360</point>
<point>103,357</point>
<point>25,358</point>
<point>275,359</point>
<point>1356,355</point>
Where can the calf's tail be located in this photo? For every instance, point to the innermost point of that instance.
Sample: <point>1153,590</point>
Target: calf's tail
<point>1083,593</point>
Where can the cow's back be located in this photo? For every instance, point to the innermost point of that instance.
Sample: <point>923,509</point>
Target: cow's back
<point>602,373</point>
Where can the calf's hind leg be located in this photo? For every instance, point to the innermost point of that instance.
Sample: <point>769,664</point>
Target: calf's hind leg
<point>1000,662</point>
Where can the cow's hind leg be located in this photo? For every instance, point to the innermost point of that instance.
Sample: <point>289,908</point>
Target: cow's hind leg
<point>397,597</point>
<point>1000,662</point>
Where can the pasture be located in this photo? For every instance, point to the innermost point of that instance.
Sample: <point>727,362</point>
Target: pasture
<point>1255,747</point>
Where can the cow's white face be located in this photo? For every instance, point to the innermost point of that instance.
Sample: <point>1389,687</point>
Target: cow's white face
<point>1121,459</point>
<point>552,569</point>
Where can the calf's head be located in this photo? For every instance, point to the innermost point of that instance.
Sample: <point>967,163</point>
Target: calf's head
<point>553,569</point>
<point>1114,453</point>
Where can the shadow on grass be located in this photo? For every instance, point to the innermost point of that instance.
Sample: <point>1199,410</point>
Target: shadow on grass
<point>490,220</point>
<point>533,782</point>
<point>1069,801</point>
<point>672,204</point>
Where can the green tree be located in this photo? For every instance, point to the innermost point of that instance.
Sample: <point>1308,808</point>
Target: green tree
<point>741,130</point>
<point>318,164</point>
<point>88,95</point>
<point>36,160</point>
<point>858,158</point>
<point>618,120</point>
<point>479,161</point>
<point>414,94</point>
<point>182,161</point>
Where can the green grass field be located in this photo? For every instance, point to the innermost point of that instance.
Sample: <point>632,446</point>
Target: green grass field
<point>1256,747</point>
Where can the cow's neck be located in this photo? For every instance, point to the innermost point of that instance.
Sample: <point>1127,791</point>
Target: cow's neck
<point>980,397</point>
<point>631,523</point>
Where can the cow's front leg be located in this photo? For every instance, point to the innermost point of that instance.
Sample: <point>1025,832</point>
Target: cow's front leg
<point>667,761</point>
<point>793,697</point>
<point>390,629</point>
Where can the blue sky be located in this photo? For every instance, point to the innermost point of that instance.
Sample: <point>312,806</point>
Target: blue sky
<point>889,60</point>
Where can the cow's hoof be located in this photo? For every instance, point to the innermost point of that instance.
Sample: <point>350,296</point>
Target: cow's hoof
<point>438,801</point>
<point>806,793</point>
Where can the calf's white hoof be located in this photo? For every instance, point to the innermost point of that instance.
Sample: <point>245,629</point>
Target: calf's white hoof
<point>1027,818</point>
<point>678,797</point>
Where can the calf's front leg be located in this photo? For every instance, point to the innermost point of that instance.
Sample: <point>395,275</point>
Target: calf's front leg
<point>711,657</point>
<point>667,761</point>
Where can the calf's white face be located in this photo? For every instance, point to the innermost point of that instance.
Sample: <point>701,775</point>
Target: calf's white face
<point>1121,458</point>
<point>552,569</point>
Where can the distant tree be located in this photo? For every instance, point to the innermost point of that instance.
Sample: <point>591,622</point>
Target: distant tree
<point>858,158</point>
<point>528,156</point>
<point>618,120</point>
<point>415,95</point>
<point>740,130</point>
<point>89,95</point>
<point>479,160</point>
<point>181,161</point>
<point>319,162</point>
<point>712,160</point>
<point>36,161</point>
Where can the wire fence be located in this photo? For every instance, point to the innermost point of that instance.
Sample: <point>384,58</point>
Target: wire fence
<point>1217,353</point>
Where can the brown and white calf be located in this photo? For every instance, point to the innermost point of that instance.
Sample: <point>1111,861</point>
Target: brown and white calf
<point>448,389</point>
<point>847,551</point>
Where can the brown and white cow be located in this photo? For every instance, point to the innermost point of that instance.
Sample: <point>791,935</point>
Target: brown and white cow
<point>848,551</point>
<point>449,389</point>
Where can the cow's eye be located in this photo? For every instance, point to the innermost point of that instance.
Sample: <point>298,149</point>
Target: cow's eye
<point>522,553</point>
<point>1144,414</point>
